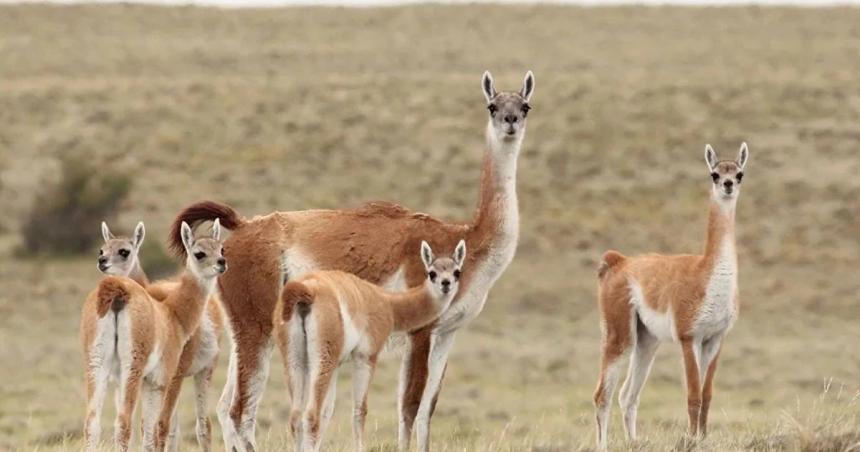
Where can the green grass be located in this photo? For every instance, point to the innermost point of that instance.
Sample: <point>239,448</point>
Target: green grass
<point>301,108</point>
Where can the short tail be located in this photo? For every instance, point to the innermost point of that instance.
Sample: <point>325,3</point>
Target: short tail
<point>296,298</point>
<point>610,260</point>
<point>112,295</point>
<point>202,211</point>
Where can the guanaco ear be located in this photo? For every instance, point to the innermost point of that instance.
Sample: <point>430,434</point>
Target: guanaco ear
<point>426,255</point>
<point>106,232</point>
<point>187,237</point>
<point>216,229</point>
<point>460,253</point>
<point>710,157</point>
<point>488,86</point>
<point>528,86</point>
<point>139,233</point>
<point>743,153</point>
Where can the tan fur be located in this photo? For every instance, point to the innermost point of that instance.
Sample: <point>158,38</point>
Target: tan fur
<point>671,286</point>
<point>374,313</point>
<point>373,242</point>
<point>189,359</point>
<point>158,331</point>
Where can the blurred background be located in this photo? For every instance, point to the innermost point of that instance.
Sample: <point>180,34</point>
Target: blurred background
<point>128,112</point>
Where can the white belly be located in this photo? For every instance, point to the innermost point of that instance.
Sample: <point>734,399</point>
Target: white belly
<point>659,324</point>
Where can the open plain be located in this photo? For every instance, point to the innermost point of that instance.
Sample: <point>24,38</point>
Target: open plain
<point>301,108</point>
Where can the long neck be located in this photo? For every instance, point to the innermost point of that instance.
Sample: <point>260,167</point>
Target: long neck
<point>187,302</point>
<point>721,229</point>
<point>416,307</point>
<point>138,275</point>
<point>498,211</point>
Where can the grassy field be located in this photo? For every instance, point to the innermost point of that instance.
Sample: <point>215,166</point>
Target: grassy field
<point>299,108</point>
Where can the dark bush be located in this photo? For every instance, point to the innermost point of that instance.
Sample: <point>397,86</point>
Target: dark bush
<point>66,216</point>
<point>155,261</point>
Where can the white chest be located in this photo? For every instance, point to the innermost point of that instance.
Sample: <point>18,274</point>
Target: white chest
<point>719,310</point>
<point>207,347</point>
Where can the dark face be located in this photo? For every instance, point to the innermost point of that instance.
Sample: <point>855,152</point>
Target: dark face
<point>508,112</point>
<point>444,274</point>
<point>727,177</point>
<point>117,257</point>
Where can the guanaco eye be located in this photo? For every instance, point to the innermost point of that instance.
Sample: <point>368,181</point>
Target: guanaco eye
<point>432,275</point>
<point>715,176</point>
<point>739,176</point>
<point>199,255</point>
<point>124,253</point>
<point>492,108</point>
<point>101,253</point>
<point>526,109</point>
<point>456,274</point>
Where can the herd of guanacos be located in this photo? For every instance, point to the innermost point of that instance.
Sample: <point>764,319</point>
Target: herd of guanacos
<point>330,286</point>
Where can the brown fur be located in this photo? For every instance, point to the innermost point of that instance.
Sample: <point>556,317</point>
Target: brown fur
<point>372,242</point>
<point>164,325</point>
<point>374,312</point>
<point>671,285</point>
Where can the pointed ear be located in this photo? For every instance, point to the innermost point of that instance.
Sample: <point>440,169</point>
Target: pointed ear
<point>139,233</point>
<point>710,157</point>
<point>528,86</point>
<point>426,255</point>
<point>743,153</point>
<point>488,86</point>
<point>216,229</point>
<point>187,237</point>
<point>106,232</point>
<point>460,253</point>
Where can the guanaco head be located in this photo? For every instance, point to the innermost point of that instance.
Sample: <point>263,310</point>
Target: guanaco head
<point>118,255</point>
<point>443,273</point>
<point>726,174</point>
<point>205,255</point>
<point>508,110</point>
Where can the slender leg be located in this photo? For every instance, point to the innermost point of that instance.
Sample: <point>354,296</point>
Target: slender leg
<point>610,370</point>
<point>710,355</point>
<point>413,376</point>
<point>296,369</point>
<point>202,381</point>
<point>228,429</point>
<point>637,374</point>
<point>440,346</point>
<point>97,382</point>
<point>322,374</point>
<point>692,354</point>
<point>175,435</point>
<point>152,397</point>
<point>131,376</point>
<point>361,376</point>
<point>253,366</point>
<point>328,405</point>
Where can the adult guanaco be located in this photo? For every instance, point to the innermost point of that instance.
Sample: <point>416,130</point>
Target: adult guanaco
<point>376,242</point>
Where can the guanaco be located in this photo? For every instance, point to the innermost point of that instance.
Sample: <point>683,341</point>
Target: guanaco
<point>328,317</point>
<point>137,340</point>
<point>120,256</point>
<point>692,299</point>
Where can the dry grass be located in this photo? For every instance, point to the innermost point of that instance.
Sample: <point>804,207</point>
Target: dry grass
<point>299,108</point>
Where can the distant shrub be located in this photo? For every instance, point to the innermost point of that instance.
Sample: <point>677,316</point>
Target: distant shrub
<point>155,261</point>
<point>66,216</point>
